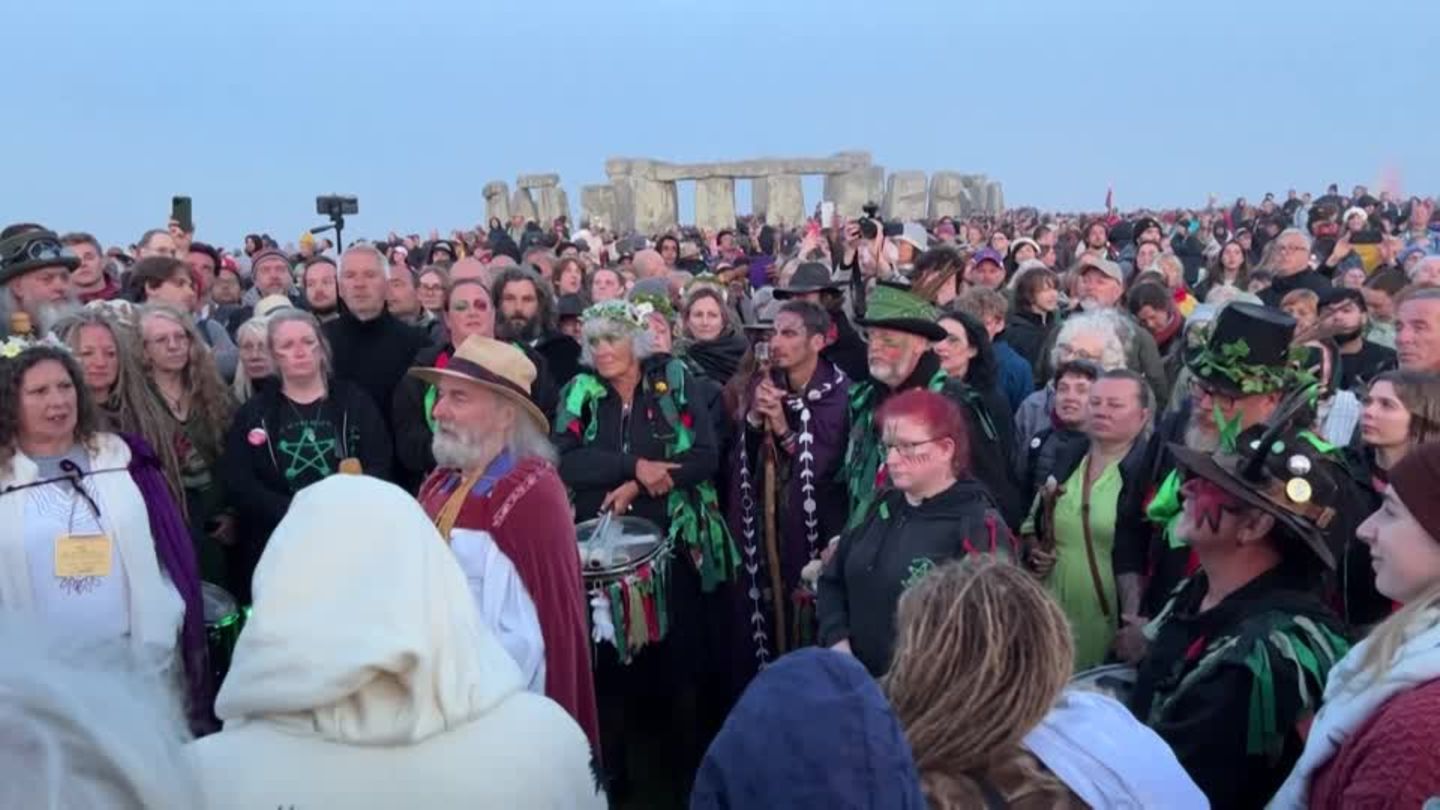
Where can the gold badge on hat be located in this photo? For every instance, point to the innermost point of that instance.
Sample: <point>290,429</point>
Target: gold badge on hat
<point>1298,490</point>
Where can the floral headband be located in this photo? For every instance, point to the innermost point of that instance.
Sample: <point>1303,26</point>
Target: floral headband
<point>632,316</point>
<point>15,344</point>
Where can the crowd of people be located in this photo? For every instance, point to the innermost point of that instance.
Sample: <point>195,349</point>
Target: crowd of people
<point>1032,510</point>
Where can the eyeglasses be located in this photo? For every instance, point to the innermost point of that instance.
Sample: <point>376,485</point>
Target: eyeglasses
<point>1199,391</point>
<point>1067,354</point>
<point>1297,248</point>
<point>907,450</point>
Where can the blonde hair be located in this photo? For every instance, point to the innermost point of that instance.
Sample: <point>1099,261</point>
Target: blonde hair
<point>983,652</point>
<point>1388,636</point>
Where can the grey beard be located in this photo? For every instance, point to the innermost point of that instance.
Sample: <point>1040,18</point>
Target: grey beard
<point>459,450</point>
<point>1200,439</point>
<point>47,315</point>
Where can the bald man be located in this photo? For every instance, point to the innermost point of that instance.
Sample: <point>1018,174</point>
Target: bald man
<point>469,268</point>
<point>649,264</point>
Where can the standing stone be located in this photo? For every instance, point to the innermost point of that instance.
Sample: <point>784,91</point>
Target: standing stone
<point>947,195</point>
<point>645,206</point>
<point>497,202</point>
<point>521,205</point>
<point>552,204</point>
<point>994,198</point>
<point>851,190</point>
<point>780,197</point>
<point>597,205</point>
<point>715,203</point>
<point>974,193</point>
<point>905,197</point>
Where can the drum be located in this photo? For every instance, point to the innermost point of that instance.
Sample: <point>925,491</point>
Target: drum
<point>1114,680</point>
<point>223,621</point>
<point>626,565</point>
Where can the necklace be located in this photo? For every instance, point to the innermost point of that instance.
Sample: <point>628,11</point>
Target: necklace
<point>177,405</point>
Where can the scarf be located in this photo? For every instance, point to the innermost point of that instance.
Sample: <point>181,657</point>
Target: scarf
<point>1351,698</point>
<point>718,358</point>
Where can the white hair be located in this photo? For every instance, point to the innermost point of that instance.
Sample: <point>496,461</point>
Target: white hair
<point>88,725</point>
<point>643,343</point>
<point>243,385</point>
<point>1107,323</point>
<point>369,250</point>
<point>1309,243</point>
<point>463,449</point>
<point>1421,265</point>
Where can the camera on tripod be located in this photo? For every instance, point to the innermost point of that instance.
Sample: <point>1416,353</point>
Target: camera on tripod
<point>336,207</point>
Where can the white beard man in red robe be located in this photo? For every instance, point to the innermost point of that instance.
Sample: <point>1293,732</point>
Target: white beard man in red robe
<point>497,498</point>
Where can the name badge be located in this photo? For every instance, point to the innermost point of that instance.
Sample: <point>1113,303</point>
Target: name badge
<point>82,555</point>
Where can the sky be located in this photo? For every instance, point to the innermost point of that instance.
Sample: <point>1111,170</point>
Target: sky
<point>253,108</point>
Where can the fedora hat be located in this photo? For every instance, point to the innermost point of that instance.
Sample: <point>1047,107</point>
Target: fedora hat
<point>496,365</point>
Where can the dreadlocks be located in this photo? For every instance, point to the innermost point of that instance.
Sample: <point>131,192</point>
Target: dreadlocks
<point>983,653</point>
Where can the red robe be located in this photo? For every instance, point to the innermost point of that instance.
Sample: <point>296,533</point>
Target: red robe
<point>528,515</point>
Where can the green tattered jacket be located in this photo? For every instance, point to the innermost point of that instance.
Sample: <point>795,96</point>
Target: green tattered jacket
<point>1229,688</point>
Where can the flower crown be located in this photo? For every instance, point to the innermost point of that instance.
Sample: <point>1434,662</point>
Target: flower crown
<point>15,344</point>
<point>625,313</point>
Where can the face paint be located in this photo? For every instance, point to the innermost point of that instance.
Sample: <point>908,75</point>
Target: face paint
<point>1208,501</point>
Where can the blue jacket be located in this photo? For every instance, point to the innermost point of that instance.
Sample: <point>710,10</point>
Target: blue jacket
<point>812,730</point>
<point>1017,379</point>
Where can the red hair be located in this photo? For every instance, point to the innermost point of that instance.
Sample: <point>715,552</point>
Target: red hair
<point>939,414</point>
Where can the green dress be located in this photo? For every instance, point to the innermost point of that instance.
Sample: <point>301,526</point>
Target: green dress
<point>1072,581</point>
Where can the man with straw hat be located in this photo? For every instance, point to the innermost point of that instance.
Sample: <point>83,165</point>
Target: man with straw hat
<point>498,500</point>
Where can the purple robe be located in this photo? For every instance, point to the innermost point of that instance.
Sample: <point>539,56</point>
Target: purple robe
<point>811,509</point>
<point>176,554</point>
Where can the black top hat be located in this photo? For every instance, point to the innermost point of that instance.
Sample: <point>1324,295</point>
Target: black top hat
<point>569,305</point>
<point>33,250</point>
<point>1282,470</point>
<point>808,278</point>
<point>1246,351</point>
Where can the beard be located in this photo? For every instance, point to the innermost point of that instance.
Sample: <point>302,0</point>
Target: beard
<point>48,314</point>
<point>517,328</point>
<point>459,449</point>
<point>1200,438</point>
<point>1346,337</point>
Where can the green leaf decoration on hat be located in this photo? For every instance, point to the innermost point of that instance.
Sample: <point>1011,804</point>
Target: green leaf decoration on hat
<point>1229,430</point>
<point>1231,361</point>
<point>888,303</point>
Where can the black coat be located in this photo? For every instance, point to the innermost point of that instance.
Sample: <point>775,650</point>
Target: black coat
<point>562,357</point>
<point>374,354</point>
<point>591,470</point>
<point>894,546</point>
<point>848,352</point>
<point>412,423</point>
<point>1282,285</point>
<point>253,466</point>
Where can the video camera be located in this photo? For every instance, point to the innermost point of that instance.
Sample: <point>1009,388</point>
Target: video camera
<point>871,224</point>
<point>336,207</point>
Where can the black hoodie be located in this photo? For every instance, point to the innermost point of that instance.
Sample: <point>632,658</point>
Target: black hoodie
<point>893,547</point>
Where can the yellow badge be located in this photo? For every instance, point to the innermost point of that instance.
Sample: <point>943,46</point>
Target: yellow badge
<point>1298,490</point>
<point>82,555</point>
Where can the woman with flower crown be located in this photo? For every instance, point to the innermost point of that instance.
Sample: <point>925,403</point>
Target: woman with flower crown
<point>92,541</point>
<point>634,440</point>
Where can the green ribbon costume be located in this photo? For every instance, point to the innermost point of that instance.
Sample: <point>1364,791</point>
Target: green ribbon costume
<point>696,522</point>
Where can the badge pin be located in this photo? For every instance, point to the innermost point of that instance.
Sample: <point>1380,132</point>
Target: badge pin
<point>1298,490</point>
<point>1298,465</point>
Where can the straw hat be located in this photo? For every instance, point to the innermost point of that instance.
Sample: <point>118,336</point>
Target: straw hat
<point>495,365</point>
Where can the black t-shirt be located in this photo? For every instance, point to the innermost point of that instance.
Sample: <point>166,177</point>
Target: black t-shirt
<point>1358,369</point>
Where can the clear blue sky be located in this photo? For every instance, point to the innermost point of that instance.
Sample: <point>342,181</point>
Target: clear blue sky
<point>255,107</point>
